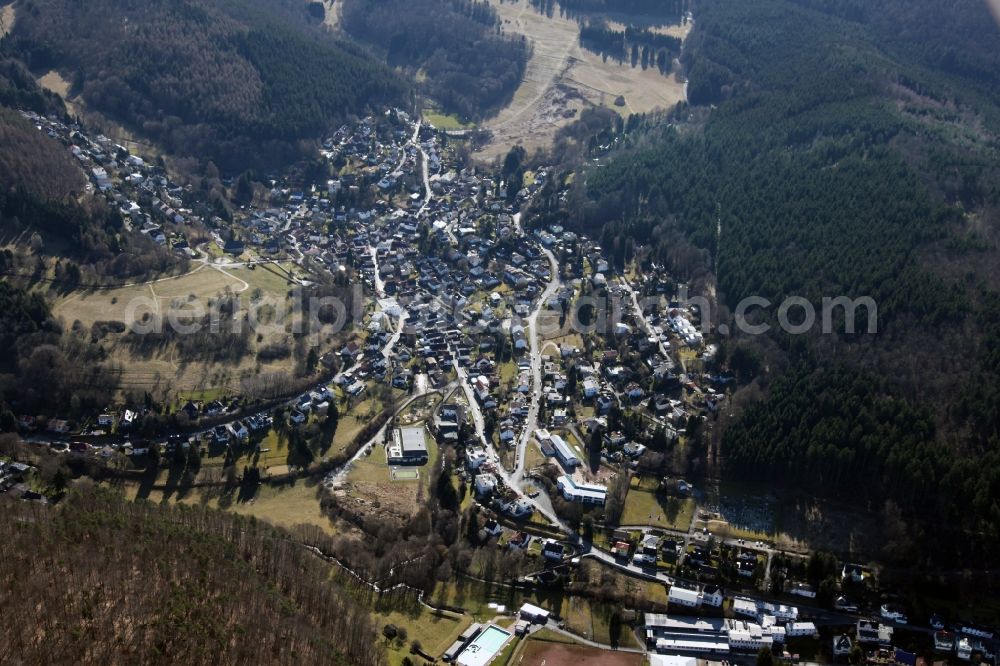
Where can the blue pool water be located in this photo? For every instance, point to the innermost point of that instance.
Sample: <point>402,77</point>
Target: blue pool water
<point>485,647</point>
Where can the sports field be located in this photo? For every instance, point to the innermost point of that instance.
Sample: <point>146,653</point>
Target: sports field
<point>404,474</point>
<point>546,653</point>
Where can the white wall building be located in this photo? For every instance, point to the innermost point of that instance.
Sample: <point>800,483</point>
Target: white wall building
<point>564,452</point>
<point>800,629</point>
<point>587,493</point>
<point>533,613</point>
<point>680,596</point>
<point>712,596</point>
<point>485,484</point>
<point>747,636</point>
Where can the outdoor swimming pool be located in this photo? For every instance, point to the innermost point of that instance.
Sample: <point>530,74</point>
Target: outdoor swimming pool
<point>484,648</point>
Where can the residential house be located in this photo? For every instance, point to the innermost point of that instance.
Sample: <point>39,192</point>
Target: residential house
<point>872,632</point>
<point>842,645</point>
<point>853,572</point>
<point>712,596</point>
<point>485,484</point>
<point>686,598</point>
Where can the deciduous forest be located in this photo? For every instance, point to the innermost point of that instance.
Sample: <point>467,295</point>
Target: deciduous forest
<point>150,584</point>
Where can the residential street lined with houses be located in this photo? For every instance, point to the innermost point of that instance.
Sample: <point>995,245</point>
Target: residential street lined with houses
<point>558,434</point>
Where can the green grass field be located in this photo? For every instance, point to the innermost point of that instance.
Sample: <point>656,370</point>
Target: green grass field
<point>268,278</point>
<point>507,372</point>
<point>435,631</point>
<point>284,506</point>
<point>445,122</point>
<point>643,506</point>
<point>533,456</point>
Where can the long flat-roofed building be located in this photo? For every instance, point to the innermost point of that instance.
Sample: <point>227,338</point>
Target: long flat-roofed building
<point>461,642</point>
<point>533,613</point>
<point>707,644</point>
<point>674,633</point>
<point>587,493</point>
<point>662,623</point>
<point>564,452</point>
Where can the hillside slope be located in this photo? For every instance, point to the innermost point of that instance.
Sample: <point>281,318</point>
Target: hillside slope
<point>100,580</point>
<point>237,81</point>
<point>44,191</point>
<point>470,68</point>
<point>846,154</point>
<point>31,160</point>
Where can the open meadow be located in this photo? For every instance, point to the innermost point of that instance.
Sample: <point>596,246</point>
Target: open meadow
<point>285,506</point>
<point>645,506</point>
<point>583,616</point>
<point>264,290</point>
<point>562,79</point>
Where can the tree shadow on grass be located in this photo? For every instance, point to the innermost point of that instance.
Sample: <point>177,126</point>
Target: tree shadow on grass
<point>249,485</point>
<point>671,507</point>
<point>170,485</point>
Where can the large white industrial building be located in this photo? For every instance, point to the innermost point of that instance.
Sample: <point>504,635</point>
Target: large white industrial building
<point>675,633</point>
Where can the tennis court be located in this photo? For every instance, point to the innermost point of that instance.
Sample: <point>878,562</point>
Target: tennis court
<point>404,474</point>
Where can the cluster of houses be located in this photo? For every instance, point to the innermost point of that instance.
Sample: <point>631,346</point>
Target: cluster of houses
<point>455,277</point>
<point>15,480</point>
<point>648,551</point>
<point>149,202</point>
<point>967,641</point>
<point>490,487</point>
<point>240,430</point>
<point>318,400</point>
<point>467,277</point>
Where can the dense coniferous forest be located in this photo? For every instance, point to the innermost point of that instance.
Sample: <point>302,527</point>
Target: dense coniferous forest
<point>239,82</point>
<point>636,45</point>
<point>155,584</point>
<point>18,89</point>
<point>844,433</point>
<point>669,10</point>
<point>849,152</point>
<point>470,68</point>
